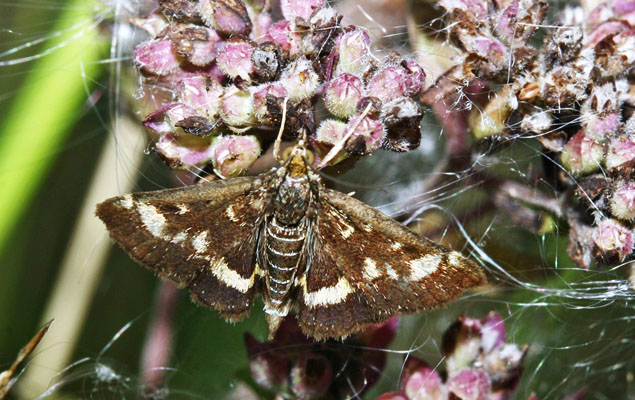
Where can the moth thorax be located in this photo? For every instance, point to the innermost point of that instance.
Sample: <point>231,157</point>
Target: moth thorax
<point>292,199</point>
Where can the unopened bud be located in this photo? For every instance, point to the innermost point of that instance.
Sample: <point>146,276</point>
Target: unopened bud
<point>184,151</point>
<point>157,57</point>
<point>300,80</point>
<point>228,17</point>
<point>237,108</point>
<point>234,59</point>
<point>613,241</point>
<point>367,135</point>
<point>261,111</point>
<point>353,49</point>
<point>292,9</point>
<point>342,95</point>
<point>234,155</point>
<point>623,200</point>
<point>388,83</point>
<point>470,384</point>
<point>582,154</point>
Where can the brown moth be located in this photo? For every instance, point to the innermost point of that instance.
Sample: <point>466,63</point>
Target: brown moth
<point>338,263</point>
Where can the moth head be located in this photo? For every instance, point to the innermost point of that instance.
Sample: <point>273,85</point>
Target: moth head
<point>297,159</point>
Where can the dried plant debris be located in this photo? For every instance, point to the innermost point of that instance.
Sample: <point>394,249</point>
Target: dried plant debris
<point>8,378</point>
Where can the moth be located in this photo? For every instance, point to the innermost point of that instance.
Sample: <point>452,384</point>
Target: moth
<point>336,262</point>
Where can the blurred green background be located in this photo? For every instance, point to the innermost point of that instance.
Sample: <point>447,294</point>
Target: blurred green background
<point>61,96</point>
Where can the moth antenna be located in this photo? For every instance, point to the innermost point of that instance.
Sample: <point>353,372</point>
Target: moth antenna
<point>340,145</point>
<point>276,145</point>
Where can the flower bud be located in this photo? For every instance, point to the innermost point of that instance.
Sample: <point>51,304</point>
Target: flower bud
<point>234,155</point>
<point>470,384</point>
<point>157,57</point>
<point>166,119</point>
<point>261,111</point>
<point>237,108</point>
<point>311,376</point>
<point>424,383</point>
<point>613,241</point>
<point>623,201</point>
<point>582,154</point>
<point>389,83</point>
<point>234,59</point>
<point>202,94</point>
<point>367,135</point>
<point>342,95</point>
<point>292,9</point>
<point>353,49</point>
<point>228,17</point>
<point>283,34</point>
<point>184,151</point>
<point>416,78</point>
<point>620,156</point>
<point>300,80</point>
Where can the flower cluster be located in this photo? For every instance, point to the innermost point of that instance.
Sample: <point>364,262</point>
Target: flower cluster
<point>479,365</point>
<point>573,94</point>
<point>230,72</point>
<point>298,366</point>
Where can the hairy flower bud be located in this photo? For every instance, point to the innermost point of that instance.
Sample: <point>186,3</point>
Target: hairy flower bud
<point>157,57</point>
<point>292,9</point>
<point>424,383</point>
<point>582,154</point>
<point>184,151</point>
<point>353,49</point>
<point>261,109</point>
<point>202,94</point>
<point>234,155</point>
<point>623,200</point>
<point>613,241</point>
<point>228,17</point>
<point>237,108</point>
<point>389,83</point>
<point>367,135</point>
<point>470,384</point>
<point>311,376</point>
<point>283,34</point>
<point>342,95</point>
<point>621,154</point>
<point>300,80</point>
<point>234,59</point>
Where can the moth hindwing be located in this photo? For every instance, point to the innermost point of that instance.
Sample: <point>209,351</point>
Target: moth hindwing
<point>338,263</point>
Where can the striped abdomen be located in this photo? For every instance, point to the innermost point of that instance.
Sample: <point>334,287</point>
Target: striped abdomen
<point>284,245</point>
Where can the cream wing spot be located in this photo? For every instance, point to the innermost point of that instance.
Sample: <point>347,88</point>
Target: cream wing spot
<point>183,209</point>
<point>229,211</point>
<point>391,272</point>
<point>455,259</point>
<point>200,242</point>
<point>328,295</point>
<point>179,238</point>
<point>153,220</point>
<point>424,266</point>
<point>127,202</point>
<point>370,270</point>
<point>231,278</point>
<point>395,246</point>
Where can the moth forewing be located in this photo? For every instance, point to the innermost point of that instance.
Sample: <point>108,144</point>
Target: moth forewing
<point>368,267</point>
